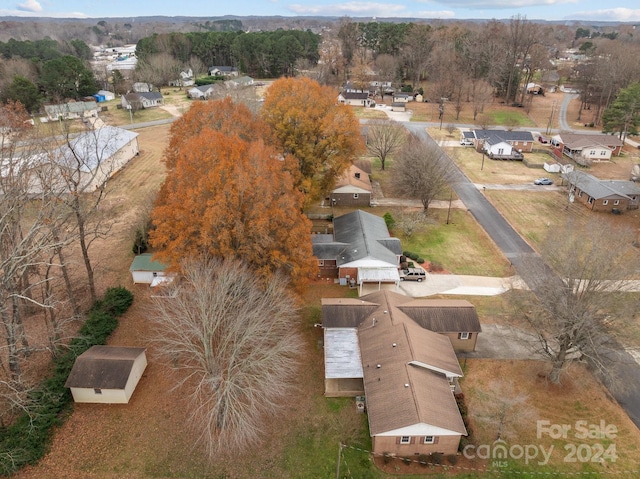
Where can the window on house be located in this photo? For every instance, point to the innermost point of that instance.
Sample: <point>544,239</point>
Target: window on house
<point>605,202</point>
<point>405,439</point>
<point>500,151</point>
<point>590,200</point>
<point>616,202</point>
<point>97,391</point>
<point>464,335</point>
<point>580,194</point>
<point>603,153</point>
<point>429,440</point>
<point>592,152</point>
<point>524,143</point>
<point>355,196</point>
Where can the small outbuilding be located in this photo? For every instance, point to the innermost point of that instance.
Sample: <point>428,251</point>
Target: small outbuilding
<point>147,271</point>
<point>106,374</point>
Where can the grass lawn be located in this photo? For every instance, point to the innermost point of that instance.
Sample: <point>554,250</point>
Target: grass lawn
<point>508,118</point>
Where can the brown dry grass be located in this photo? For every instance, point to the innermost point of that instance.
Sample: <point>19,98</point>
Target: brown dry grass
<point>521,390</point>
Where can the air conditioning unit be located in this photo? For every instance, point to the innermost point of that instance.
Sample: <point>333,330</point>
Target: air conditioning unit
<point>360,404</point>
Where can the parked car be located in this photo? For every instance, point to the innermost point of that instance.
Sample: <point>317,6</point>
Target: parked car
<point>413,274</point>
<point>543,140</point>
<point>466,141</point>
<point>543,181</point>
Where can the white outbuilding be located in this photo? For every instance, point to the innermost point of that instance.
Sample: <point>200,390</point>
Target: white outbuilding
<point>106,374</point>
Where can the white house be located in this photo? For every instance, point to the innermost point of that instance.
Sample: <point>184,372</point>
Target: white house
<point>72,110</point>
<point>355,98</point>
<point>106,374</point>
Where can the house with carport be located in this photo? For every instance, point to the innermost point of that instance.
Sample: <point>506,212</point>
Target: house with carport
<point>149,99</point>
<point>359,252</point>
<point>106,374</point>
<point>407,374</point>
<point>602,195</point>
<point>586,148</point>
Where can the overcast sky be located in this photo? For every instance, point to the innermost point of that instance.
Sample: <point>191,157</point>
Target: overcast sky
<point>613,10</point>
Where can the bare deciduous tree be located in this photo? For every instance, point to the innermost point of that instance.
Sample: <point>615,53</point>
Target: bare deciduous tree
<point>235,339</point>
<point>384,137</point>
<point>573,313</point>
<point>421,171</point>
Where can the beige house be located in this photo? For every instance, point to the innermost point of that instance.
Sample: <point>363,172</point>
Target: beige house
<point>106,374</point>
<point>378,346</point>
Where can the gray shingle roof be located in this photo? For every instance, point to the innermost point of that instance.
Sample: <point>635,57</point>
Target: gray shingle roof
<point>362,232</point>
<point>601,189</point>
<point>503,135</point>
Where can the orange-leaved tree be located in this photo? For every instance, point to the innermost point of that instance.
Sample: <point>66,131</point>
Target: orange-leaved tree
<point>222,115</point>
<point>318,137</point>
<point>225,197</point>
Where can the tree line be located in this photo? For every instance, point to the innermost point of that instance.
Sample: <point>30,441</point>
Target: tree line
<point>258,54</point>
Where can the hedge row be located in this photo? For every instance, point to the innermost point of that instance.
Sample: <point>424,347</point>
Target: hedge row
<point>26,440</point>
<point>414,256</point>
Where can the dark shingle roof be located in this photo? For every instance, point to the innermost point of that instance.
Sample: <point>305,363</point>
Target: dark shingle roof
<point>103,367</point>
<point>503,135</point>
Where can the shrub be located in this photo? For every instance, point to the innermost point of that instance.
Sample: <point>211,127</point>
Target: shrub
<point>388,219</point>
<point>407,460</point>
<point>117,300</point>
<point>387,457</point>
<point>420,260</point>
<point>405,253</point>
<point>435,458</point>
<point>140,244</point>
<point>452,459</point>
<point>413,256</point>
<point>423,459</point>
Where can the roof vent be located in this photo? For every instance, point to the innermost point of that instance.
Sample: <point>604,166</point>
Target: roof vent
<point>378,366</point>
<point>385,311</point>
<point>406,385</point>
<point>394,345</point>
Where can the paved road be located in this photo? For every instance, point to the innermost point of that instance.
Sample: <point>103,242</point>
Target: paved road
<point>562,114</point>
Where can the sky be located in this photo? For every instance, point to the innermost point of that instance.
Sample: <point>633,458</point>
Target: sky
<point>613,10</point>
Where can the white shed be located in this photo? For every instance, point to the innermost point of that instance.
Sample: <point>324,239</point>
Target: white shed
<point>106,374</point>
<point>145,270</point>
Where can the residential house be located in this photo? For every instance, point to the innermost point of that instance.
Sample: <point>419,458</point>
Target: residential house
<point>520,141</point>
<point>106,374</point>
<point>185,79</point>
<point>150,99</point>
<point>359,251</point>
<point>353,188</point>
<point>602,195</point>
<point>72,110</point>
<point>378,345</point>
<point>497,149</point>
<point>355,99</point>
<point>203,92</point>
<point>238,82</point>
<point>222,71</point>
<point>399,106</point>
<point>585,149</point>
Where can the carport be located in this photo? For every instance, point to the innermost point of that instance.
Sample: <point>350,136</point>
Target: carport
<point>377,275</point>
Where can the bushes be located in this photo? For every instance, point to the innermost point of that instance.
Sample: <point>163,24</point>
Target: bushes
<point>389,221</point>
<point>26,440</point>
<point>414,256</point>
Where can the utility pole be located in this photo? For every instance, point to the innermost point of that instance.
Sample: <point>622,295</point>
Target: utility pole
<point>550,123</point>
<point>449,210</point>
